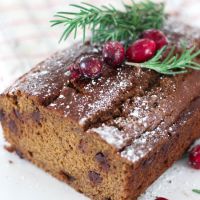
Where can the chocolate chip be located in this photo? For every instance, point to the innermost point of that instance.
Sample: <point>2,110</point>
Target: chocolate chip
<point>2,115</point>
<point>12,126</point>
<point>17,114</point>
<point>30,153</point>
<point>107,198</point>
<point>94,177</point>
<point>155,104</point>
<point>149,161</point>
<point>139,187</point>
<point>102,160</point>
<point>15,100</point>
<point>67,176</point>
<point>80,191</point>
<point>82,146</point>
<point>36,116</point>
<point>19,153</point>
<point>165,148</point>
<point>100,157</point>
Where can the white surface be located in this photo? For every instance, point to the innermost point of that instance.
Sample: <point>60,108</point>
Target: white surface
<point>19,50</point>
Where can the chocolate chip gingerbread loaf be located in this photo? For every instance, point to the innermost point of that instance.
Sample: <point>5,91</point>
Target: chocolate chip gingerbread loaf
<point>108,137</point>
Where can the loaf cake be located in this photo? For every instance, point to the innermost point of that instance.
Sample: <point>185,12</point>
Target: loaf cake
<point>108,137</point>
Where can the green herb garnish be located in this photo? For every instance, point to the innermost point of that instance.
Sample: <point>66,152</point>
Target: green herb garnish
<point>107,23</point>
<point>173,64</point>
<point>196,191</point>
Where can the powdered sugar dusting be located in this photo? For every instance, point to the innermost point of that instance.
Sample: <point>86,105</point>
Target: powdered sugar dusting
<point>103,93</point>
<point>142,145</point>
<point>111,135</point>
<point>48,77</point>
<point>106,98</point>
<point>41,80</point>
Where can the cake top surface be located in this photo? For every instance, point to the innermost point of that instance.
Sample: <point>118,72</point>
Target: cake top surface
<point>126,106</point>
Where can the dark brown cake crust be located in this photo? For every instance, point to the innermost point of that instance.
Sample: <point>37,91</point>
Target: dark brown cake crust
<point>104,136</point>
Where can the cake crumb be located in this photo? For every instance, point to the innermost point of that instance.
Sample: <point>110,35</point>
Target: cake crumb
<point>10,162</point>
<point>9,148</point>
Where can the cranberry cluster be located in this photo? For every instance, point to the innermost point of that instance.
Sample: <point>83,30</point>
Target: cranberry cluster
<point>114,54</point>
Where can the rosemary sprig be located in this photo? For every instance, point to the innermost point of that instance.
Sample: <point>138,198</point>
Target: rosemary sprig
<point>196,191</point>
<point>173,64</point>
<point>107,23</point>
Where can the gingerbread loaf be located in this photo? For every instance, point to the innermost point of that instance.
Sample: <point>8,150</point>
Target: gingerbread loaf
<point>109,137</point>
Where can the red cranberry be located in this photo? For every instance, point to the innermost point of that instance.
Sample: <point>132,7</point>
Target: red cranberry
<point>90,67</point>
<point>160,198</point>
<point>113,53</point>
<point>141,50</point>
<point>157,36</point>
<point>194,157</point>
<point>74,71</point>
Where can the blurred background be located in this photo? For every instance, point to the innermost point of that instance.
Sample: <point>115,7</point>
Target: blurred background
<point>26,37</point>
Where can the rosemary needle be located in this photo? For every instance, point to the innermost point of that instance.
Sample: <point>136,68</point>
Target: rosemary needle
<point>173,64</point>
<point>107,23</point>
